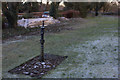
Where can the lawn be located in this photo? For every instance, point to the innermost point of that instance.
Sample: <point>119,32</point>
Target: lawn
<point>91,47</point>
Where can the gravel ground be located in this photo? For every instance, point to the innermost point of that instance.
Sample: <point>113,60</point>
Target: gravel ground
<point>36,68</point>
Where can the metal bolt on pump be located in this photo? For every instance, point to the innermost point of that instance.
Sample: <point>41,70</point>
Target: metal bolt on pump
<point>42,42</point>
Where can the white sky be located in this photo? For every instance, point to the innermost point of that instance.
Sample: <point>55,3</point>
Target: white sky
<point>62,1</point>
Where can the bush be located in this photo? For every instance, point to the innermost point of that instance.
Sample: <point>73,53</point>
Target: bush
<point>79,6</point>
<point>54,10</point>
<point>83,10</point>
<point>83,13</point>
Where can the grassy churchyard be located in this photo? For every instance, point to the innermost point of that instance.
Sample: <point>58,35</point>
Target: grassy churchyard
<point>91,46</point>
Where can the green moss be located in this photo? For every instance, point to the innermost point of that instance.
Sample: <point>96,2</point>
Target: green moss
<point>94,47</point>
<point>63,73</point>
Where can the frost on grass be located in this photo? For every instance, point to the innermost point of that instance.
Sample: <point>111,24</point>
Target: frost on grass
<point>99,57</point>
<point>93,59</point>
<point>34,22</point>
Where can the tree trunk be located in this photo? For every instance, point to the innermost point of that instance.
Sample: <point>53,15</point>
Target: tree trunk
<point>10,11</point>
<point>96,9</point>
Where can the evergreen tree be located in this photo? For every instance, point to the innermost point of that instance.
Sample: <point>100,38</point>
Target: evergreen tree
<point>82,7</point>
<point>54,9</point>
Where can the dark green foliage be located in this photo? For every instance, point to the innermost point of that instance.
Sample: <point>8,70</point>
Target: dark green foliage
<point>54,9</point>
<point>63,73</point>
<point>82,7</point>
<point>85,7</point>
<point>115,49</point>
<point>94,47</point>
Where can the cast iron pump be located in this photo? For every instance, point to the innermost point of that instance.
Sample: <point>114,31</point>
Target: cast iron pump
<point>42,42</point>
